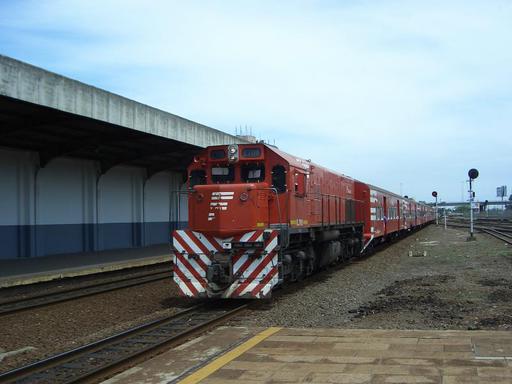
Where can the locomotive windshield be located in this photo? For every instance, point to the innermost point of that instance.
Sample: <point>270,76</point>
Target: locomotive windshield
<point>253,173</point>
<point>223,174</point>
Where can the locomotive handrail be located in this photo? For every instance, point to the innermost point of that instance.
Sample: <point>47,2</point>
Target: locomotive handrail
<point>188,191</point>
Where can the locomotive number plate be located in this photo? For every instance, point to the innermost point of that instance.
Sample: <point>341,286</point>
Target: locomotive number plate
<point>247,244</point>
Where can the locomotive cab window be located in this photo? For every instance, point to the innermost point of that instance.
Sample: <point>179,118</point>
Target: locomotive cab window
<point>224,174</point>
<point>217,154</point>
<point>197,177</point>
<point>253,173</point>
<point>251,152</point>
<point>279,178</point>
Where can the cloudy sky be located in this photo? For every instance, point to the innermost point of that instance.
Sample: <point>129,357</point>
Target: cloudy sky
<point>407,95</point>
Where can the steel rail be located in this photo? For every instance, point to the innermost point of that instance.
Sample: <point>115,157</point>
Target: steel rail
<point>507,238</point>
<point>499,235</point>
<point>108,356</point>
<point>43,299</point>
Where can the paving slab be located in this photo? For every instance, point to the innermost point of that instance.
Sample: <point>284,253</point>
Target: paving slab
<point>179,361</point>
<point>331,356</point>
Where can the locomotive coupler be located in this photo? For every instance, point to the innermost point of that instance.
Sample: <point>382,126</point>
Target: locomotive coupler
<point>220,271</point>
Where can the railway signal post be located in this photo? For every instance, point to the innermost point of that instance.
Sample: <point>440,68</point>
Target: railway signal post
<point>434,193</point>
<point>473,174</point>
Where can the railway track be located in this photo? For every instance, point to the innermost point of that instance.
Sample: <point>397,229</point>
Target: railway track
<point>502,233</point>
<point>506,237</point>
<point>43,299</point>
<point>104,358</point>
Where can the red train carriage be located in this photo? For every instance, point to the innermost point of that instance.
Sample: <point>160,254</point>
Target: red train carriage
<point>259,216</point>
<point>388,215</point>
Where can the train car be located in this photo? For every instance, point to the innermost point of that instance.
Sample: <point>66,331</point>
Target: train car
<point>259,217</point>
<point>387,215</point>
<point>427,214</point>
<point>410,213</point>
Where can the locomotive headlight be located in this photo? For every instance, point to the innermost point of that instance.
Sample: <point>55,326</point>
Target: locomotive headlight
<point>233,153</point>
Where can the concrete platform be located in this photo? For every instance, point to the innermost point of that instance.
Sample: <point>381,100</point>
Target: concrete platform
<point>275,355</point>
<point>15,272</point>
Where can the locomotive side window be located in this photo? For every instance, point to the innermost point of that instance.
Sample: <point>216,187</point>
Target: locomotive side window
<point>223,174</point>
<point>300,184</point>
<point>279,178</point>
<point>253,173</point>
<point>197,177</point>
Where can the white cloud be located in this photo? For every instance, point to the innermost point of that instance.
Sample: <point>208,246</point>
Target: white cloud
<point>389,92</point>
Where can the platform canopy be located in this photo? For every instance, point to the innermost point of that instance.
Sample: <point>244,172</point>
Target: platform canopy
<point>56,116</point>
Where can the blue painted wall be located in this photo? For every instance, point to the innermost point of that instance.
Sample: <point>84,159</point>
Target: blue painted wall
<point>19,241</point>
<point>66,208</point>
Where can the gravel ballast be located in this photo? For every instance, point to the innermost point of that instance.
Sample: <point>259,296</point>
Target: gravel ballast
<point>457,285</point>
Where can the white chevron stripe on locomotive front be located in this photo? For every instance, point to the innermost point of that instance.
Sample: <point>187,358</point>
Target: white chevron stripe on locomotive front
<point>184,269</point>
<point>269,248</point>
<point>206,242</point>
<point>193,264</point>
<point>231,290</point>
<point>244,257</point>
<point>242,260</point>
<point>245,237</point>
<point>183,287</point>
<point>266,269</point>
<point>255,263</point>
<point>191,243</point>
<point>220,241</point>
<point>187,272</point>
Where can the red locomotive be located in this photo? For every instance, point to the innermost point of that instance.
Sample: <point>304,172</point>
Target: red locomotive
<point>259,216</point>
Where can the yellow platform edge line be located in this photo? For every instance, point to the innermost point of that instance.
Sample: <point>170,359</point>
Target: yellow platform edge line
<point>221,361</point>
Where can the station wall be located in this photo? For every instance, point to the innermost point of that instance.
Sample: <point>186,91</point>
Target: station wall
<point>66,207</point>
